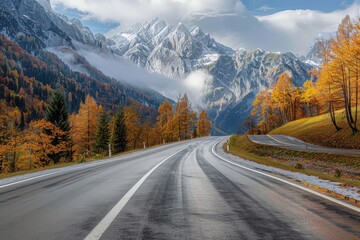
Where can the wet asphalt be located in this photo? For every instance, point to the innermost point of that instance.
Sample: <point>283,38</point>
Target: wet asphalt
<point>192,195</point>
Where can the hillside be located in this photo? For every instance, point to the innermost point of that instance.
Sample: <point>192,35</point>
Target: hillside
<point>26,82</point>
<point>228,79</point>
<point>319,130</point>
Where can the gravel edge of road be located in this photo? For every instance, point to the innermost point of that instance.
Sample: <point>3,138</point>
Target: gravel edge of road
<point>351,194</point>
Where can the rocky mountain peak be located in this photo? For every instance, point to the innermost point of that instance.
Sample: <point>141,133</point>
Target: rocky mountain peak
<point>45,4</point>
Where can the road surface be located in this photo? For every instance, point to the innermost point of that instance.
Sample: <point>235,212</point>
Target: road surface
<point>179,191</point>
<point>292,143</point>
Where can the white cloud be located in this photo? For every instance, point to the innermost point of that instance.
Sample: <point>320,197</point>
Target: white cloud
<point>131,11</point>
<point>292,30</point>
<point>123,70</point>
<point>227,20</point>
<point>197,82</point>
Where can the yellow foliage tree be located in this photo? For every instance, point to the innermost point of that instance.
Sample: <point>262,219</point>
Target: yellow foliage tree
<point>204,124</point>
<point>264,110</point>
<point>38,145</point>
<point>164,120</point>
<point>309,97</point>
<point>84,124</point>
<point>340,71</point>
<point>183,119</point>
<point>134,130</point>
<point>10,138</point>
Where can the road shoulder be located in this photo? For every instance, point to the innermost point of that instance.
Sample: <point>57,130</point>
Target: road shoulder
<point>321,182</point>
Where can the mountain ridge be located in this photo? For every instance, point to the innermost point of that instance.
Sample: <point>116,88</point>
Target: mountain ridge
<point>172,51</point>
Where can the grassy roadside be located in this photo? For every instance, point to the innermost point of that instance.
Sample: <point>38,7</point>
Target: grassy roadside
<point>319,130</point>
<point>61,165</point>
<point>322,165</point>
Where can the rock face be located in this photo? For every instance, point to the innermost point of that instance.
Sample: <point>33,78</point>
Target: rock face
<point>313,56</point>
<point>238,75</point>
<point>173,51</point>
<point>36,19</point>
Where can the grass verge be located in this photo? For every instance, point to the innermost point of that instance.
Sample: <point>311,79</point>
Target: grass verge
<point>61,165</point>
<point>319,130</point>
<point>322,165</point>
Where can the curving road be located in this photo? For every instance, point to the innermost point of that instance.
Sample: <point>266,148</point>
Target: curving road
<point>186,190</point>
<point>292,143</point>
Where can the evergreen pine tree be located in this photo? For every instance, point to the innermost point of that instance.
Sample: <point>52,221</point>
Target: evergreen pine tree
<point>102,135</point>
<point>22,121</point>
<point>56,113</point>
<point>119,134</point>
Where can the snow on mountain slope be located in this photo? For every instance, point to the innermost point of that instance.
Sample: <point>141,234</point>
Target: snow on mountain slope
<point>226,80</point>
<point>237,76</point>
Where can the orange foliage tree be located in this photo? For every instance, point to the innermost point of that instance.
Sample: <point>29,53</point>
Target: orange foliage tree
<point>204,124</point>
<point>38,144</point>
<point>84,124</point>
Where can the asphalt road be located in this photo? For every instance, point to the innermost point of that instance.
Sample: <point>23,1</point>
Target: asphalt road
<point>289,142</point>
<point>178,191</point>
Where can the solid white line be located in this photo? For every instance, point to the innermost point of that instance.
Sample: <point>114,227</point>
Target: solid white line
<point>99,230</point>
<point>28,179</point>
<point>287,182</point>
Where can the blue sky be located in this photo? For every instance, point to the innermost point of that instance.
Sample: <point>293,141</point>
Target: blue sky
<point>264,7</point>
<point>255,7</point>
<point>95,25</point>
<point>254,24</point>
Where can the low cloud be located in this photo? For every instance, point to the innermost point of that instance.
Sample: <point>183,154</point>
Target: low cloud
<point>123,70</point>
<point>132,11</point>
<point>197,83</point>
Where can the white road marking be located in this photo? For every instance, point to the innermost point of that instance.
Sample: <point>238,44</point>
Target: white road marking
<point>104,224</point>
<point>287,182</point>
<point>29,179</point>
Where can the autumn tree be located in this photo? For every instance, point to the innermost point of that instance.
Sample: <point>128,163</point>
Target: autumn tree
<point>84,126</point>
<point>309,97</point>
<point>39,144</point>
<point>10,138</point>
<point>203,125</point>
<point>163,120</point>
<point>134,129</point>
<point>264,110</point>
<point>57,114</point>
<point>340,71</point>
<point>249,125</point>
<point>183,119</point>
<point>286,97</point>
<point>329,91</point>
<point>102,135</point>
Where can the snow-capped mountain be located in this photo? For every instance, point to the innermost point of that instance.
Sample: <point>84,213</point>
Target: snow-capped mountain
<point>172,51</point>
<point>313,56</point>
<point>176,51</point>
<point>36,18</point>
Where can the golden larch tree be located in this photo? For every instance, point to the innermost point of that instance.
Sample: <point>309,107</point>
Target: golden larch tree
<point>204,124</point>
<point>164,120</point>
<point>84,124</point>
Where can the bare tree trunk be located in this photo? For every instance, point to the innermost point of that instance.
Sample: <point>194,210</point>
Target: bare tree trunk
<point>347,104</point>
<point>349,96</point>
<point>333,116</point>
<point>356,96</point>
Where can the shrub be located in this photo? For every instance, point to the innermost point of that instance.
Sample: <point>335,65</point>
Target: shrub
<point>299,166</point>
<point>337,173</point>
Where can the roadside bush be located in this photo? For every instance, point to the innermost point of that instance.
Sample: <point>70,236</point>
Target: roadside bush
<point>299,166</point>
<point>337,173</point>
